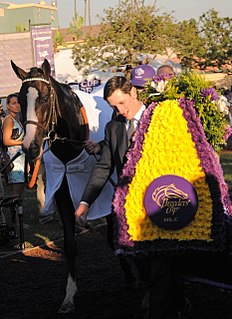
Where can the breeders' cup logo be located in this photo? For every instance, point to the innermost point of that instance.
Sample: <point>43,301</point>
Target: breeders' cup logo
<point>171,202</point>
<point>139,72</point>
<point>163,195</point>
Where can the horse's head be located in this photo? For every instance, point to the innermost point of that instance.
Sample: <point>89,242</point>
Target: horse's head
<point>34,98</point>
<point>50,109</point>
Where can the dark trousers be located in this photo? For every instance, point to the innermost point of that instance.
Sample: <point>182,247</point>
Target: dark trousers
<point>164,294</point>
<point>125,262</point>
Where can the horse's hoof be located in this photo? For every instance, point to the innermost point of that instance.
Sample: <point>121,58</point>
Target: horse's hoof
<point>67,308</point>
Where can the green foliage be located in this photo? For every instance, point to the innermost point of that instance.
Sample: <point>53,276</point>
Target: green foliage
<point>190,85</point>
<point>20,27</point>
<point>75,27</point>
<point>206,44</point>
<point>58,39</point>
<point>216,34</point>
<point>131,33</point>
<point>126,33</point>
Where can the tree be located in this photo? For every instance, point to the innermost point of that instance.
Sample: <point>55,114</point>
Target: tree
<point>126,32</point>
<point>75,27</point>
<point>206,44</point>
<point>188,42</point>
<point>58,40</point>
<point>89,15</point>
<point>216,35</point>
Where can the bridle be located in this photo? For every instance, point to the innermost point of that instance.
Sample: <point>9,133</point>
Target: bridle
<point>53,114</point>
<point>52,117</point>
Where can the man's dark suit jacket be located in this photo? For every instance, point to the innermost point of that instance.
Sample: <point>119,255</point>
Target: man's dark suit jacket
<point>114,149</point>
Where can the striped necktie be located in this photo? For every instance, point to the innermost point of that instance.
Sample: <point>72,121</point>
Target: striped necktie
<point>131,129</point>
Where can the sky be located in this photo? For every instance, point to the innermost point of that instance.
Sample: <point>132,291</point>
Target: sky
<point>182,9</point>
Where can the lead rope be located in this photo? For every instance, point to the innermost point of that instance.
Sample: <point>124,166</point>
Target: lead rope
<point>34,174</point>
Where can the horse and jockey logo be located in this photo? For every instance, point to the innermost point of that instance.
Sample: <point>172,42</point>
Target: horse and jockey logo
<point>171,202</point>
<point>170,197</point>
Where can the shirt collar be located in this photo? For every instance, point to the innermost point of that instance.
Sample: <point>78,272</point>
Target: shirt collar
<point>138,115</point>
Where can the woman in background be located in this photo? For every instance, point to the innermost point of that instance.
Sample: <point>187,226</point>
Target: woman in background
<point>13,134</point>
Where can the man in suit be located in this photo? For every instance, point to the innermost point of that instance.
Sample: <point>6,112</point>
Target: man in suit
<point>113,148</point>
<point>157,272</point>
<point>121,96</point>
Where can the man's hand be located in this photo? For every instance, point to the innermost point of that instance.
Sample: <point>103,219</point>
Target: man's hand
<point>92,147</point>
<point>81,214</point>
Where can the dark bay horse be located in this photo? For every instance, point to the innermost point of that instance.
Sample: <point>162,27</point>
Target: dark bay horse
<point>51,110</point>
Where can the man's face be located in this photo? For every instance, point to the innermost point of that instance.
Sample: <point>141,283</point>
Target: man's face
<point>166,70</point>
<point>125,104</point>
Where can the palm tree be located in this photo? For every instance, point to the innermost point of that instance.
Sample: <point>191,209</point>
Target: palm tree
<point>85,10</point>
<point>89,16</point>
<point>75,7</point>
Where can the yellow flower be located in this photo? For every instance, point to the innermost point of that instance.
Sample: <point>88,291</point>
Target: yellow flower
<point>168,148</point>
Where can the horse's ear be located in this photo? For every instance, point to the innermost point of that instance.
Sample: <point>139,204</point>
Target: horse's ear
<point>46,68</point>
<point>21,74</point>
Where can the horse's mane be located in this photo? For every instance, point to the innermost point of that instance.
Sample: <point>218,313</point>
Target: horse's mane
<point>70,106</point>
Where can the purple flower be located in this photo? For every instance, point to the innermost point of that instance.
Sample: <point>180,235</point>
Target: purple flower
<point>210,92</point>
<point>161,77</point>
<point>228,133</point>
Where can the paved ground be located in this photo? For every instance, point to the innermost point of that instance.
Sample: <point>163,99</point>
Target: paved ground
<point>33,286</point>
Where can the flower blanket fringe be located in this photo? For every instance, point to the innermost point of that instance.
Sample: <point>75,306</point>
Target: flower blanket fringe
<point>171,142</point>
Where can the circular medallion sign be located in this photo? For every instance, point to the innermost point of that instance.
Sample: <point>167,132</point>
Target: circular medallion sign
<point>171,202</point>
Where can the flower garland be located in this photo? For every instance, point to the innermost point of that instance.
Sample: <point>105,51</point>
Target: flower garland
<point>196,162</point>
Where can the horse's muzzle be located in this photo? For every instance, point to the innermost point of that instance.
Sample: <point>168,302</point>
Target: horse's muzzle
<point>33,151</point>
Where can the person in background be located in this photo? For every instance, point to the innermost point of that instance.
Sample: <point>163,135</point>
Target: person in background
<point>2,216</point>
<point>166,69</point>
<point>141,74</point>
<point>163,299</point>
<point>2,195</point>
<point>13,134</point>
<point>2,112</point>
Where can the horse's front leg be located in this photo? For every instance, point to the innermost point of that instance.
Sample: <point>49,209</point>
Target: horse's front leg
<point>66,211</point>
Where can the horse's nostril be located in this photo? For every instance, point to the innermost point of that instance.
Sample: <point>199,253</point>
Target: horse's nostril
<point>33,151</point>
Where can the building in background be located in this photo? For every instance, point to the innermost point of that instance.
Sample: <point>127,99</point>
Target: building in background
<point>25,38</point>
<point>19,17</point>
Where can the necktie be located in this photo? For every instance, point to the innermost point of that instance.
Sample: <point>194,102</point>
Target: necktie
<point>131,129</point>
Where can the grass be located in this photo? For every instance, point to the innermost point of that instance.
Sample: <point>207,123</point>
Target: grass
<point>38,234</point>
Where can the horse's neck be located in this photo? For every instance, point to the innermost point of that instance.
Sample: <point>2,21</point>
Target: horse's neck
<point>70,123</point>
<point>67,129</point>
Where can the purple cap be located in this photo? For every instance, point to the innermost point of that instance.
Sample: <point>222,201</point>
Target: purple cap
<point>141,74</point>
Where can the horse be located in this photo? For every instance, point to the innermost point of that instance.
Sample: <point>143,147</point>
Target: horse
<point>52,112</point>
